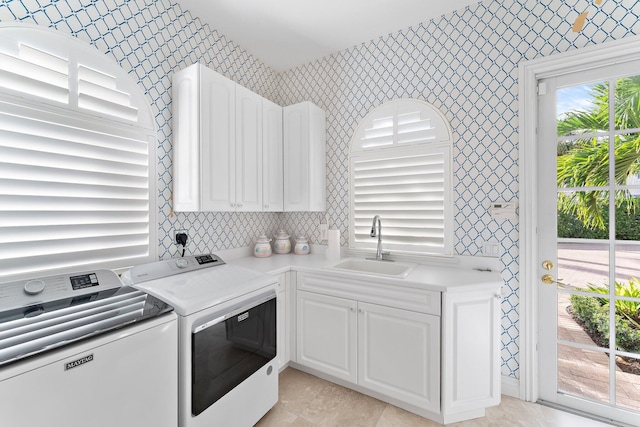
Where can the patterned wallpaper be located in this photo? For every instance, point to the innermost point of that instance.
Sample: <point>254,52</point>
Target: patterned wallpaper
<point>151,40</point>
<point>465,63</point>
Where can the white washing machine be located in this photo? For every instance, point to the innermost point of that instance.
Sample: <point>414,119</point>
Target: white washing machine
<point>228,372</point>
<point>81,349</point>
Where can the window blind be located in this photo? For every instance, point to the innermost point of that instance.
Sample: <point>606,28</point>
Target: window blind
<point>400,169</point>
<point>75,160</point>
<point>408,192</point>
<point>97,91</point>
<point>36,73</point>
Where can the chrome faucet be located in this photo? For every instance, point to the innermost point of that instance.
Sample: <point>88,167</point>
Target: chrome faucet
<point>378,233</point>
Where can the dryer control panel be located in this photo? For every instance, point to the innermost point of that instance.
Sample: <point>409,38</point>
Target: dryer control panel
<point>169,267</point>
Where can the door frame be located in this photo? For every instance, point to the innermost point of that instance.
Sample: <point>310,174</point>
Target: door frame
<point>530,72</point>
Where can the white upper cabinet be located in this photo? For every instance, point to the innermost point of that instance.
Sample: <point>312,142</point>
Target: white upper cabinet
<point>186,127</point>
<point>203,135</point>
<point>229,153</point>
<point>272,166</point>
<point>217,143</point>
<point>248,148</point>
<point>304,158</point>
<point>217,118</point>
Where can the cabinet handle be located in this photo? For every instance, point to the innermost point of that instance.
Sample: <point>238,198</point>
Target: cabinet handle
<point>352,309</point>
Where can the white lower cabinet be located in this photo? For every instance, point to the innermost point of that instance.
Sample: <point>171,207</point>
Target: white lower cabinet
<point>399,354</point>
<point>435,354</point>
<point>283,321</point>
<point>327,334</point>
<point>387,350</point>
<point>471,341</point>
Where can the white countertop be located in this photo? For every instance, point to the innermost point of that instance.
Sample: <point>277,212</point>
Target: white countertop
<point>449,278</point>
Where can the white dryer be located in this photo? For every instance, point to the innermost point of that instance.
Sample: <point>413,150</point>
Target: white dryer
<point>228,372</point>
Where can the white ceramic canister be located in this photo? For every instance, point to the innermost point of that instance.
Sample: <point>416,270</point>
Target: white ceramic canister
<point>263,247</point>
<point>302,246</point>
<point>282,244</point>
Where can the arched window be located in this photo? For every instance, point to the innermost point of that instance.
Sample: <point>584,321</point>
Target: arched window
<point>400,169</point>
<point>77,144</point>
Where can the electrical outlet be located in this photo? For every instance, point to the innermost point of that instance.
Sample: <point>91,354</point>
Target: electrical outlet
<point>177,233</point>
<point>324,230</point>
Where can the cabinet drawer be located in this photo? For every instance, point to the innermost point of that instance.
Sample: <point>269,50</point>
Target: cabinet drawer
<point>419,300</point>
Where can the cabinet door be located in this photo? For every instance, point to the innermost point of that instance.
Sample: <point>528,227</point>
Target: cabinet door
<point>305,172</point>
<point>283,314</point>
<point>317,159</point>
<point>471,351</point>
<point>399,354</point>
<point>272,165</point>
<point>326,334</point>
<point>248,148</point>
<point>296,157</point>
<point>217,137</point>
<point>186,139</point>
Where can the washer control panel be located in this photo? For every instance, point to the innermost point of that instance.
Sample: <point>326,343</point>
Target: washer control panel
<point>22,293</point>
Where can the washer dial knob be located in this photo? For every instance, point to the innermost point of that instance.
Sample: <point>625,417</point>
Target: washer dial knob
<point>182,263</point>
<point>34,287</point>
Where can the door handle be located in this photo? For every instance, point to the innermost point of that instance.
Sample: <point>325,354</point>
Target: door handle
<point>548,279</point>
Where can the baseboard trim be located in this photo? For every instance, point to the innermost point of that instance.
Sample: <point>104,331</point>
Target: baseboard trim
<point>511,387</point>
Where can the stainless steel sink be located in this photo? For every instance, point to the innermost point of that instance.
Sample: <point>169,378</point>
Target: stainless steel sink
<point>378,268</point>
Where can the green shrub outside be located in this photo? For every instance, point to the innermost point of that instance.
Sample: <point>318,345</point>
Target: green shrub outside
<point>594,313</point>
<point>627,226</point>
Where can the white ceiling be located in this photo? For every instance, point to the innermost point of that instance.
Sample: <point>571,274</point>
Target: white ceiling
<point>287,33</point>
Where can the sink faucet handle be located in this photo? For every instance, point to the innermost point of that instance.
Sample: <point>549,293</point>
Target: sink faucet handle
<point>376,222</point>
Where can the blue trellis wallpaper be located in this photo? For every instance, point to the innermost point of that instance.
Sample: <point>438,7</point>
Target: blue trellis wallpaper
<point>465,63</point>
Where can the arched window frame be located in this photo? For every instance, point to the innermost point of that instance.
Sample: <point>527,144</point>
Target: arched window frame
<point>400,168</point>
<point>77,147</point>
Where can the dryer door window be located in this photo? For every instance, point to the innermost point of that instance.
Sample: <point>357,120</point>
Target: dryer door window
<point>229,348</point>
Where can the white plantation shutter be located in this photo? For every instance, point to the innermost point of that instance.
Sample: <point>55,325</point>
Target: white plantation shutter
<point>76,144</point>
<point>400,169</point>
<point>97,92</point>
<point>35,72</point>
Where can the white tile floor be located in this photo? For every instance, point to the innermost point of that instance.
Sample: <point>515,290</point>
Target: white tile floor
<point>307,401</point>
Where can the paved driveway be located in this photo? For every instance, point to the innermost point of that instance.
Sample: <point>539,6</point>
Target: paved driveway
<point>584,372</point>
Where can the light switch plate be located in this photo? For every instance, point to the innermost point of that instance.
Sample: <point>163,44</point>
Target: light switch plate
<point>324,230</point>
<point>491,248</point>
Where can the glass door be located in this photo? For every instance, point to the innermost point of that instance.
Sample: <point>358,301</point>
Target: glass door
<point>589,241</point>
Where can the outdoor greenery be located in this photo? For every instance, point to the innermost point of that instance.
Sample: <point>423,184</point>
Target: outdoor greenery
<point>593,312</point>
<point>584,162</point>
<point>627,225</point>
